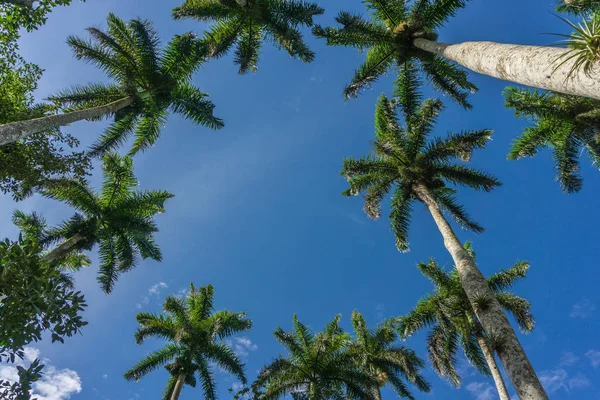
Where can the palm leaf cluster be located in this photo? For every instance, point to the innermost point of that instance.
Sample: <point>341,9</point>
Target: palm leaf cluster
<point>195,333</point>
<point>158,81</point>
<point>566,124</point>
<point>578,7</point>
<point>583,44</point>
<point>246,24</point>
<point>452,322</point>
<point>388,35</point>
<point>404,159</point>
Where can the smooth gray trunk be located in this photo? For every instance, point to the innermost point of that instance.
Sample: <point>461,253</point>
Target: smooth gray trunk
<point>178,387</point>
<point>21,129</point>
<point>491,362</point>
<point>64,248</point>
<point>491,316</point>
<point>535,66</point>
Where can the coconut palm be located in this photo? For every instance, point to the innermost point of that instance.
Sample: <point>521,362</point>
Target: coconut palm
<point>452,322</point>
<point>195,334</point>
<point>391,364</point>
<point>417,169</point>
<point>245,24</point>
<point>401,31</point>
<point>565,124</point>
<point>119,219</point>
<point>318,367</point>
<point>148,83</point>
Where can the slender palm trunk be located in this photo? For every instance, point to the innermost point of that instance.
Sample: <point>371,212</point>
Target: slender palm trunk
<point>377,393</point>
<point>491,362</point>
<point>486,307</point>
<point>21,129</point>
<point>178,387</point>
<point>64,248</point>
<point>535,66</point>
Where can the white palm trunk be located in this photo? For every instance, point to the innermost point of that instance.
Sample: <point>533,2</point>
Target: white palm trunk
<point>178,386</point>
<point>64,248</point>
<point>488,354</point>
<point>535,66</point>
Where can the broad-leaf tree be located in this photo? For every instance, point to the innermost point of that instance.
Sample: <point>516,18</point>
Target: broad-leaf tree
<point>246,24</point>
<point>378,353</point>
<point>148,83</point>
<point>119,220</point>
<point>402,31</point>
<point>452,322</point>
<point>412,167</point>
<point>195,335</point>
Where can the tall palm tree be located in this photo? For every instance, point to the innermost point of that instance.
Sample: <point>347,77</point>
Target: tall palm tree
<point>245,24</point>
<point>318,367</point>
<point>452,321</point>
<point>401,31</point>
<point>565,124</point>
<point>119,219</point>
<point>378,354</point>
<point>195,334</point>
<point>415,168</point>
<point>148,83</point>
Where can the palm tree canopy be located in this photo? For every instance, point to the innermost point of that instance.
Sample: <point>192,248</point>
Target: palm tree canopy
<point>579,7</point>
<point>451,319</point>
<point>119,219</point>
<point>391,364</point>
<point>159,81</point>
<point>565,124</point>
<point>195,333</point>
<point>405,158</point>
<point>388,38</point>
<point>245,24</point>
<point>317,367</point>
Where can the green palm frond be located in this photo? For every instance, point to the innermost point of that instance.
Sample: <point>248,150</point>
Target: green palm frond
<point>519,308</point>
<point>579,7</point>
<point>583,45</point>
<point>153,361</point>
<point>505,279</point>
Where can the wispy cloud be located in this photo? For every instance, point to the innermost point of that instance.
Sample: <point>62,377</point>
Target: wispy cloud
<point>567,359</point>
<point>583,309</point>
<point>594,357</point>
<point>154,290</point>
<point>482,390</point>
<point>242,346</point>
<point>556,379</point>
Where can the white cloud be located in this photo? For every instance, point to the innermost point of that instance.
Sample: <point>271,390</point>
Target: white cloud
<point>242,346</point>
<point>105,376</point>
<point>154,290</point>
<point>583,309</point>
<point>558,378</point>
<point>567,359</point>
<point>594,357</point>
<point>55,384</point>
<point>482,390</point>
<point>579,382</point>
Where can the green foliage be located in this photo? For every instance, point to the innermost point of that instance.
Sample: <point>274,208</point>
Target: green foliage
<point>195,334</point>
<point>247,27</point>
<point>578,7</point>
<point>583,44</point>
<point>27,14</point>
<point>21,390</point>
<point>566,124</point>
<point>388,38</point>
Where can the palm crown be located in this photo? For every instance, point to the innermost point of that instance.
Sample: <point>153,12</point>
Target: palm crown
<point>195,333</point>
<point>158,81</point>
<point>389,363</point>
<point>566,124</point>
<point>405,159</point>
<point>119,219</point>
<point>245,24</point>
<point>452,321</point>
<point>388,37</point>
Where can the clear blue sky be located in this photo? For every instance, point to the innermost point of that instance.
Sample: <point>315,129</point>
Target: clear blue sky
<point>258,211</point>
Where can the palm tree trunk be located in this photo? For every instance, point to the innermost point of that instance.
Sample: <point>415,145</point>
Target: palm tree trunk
<point>491,362</point>
<point>178,387</point>
<point>535,66</point>
<point>64,248</point>
<point>14,131</point>
<point>486,307</point>
<point>377,393</point>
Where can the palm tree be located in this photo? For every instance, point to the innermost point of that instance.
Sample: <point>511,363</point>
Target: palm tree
<point>566,124</point>
<point>419,169</point>
<point>318,367</point>
<point>403,31</point>
<point>245,24</point>
<point>195,334</point>
<point>579,6</point>
<point>453,322</point>
<point>119,219</point>
<point>377,353</point>
<point>148,83</point>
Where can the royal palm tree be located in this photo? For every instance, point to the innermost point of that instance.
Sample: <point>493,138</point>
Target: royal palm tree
<point>453,323</point>
<point>565,124</point>
<point>245,24</point>
<point>119,219</point>
<point>318,367</point>
<point>391,364</point>
<point>418,169</point>
<point>401,31</point>
<point>195,335</point>
<point>147,84</point>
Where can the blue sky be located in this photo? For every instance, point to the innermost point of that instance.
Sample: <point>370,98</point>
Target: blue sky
<point>258,211</point>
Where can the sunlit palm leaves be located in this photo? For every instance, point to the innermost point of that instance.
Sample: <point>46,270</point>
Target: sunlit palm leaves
<point>246,24</point>
<point>583,45</point>
<point>158,81</point>
<point>194,333</point>
<point>388,38</point>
